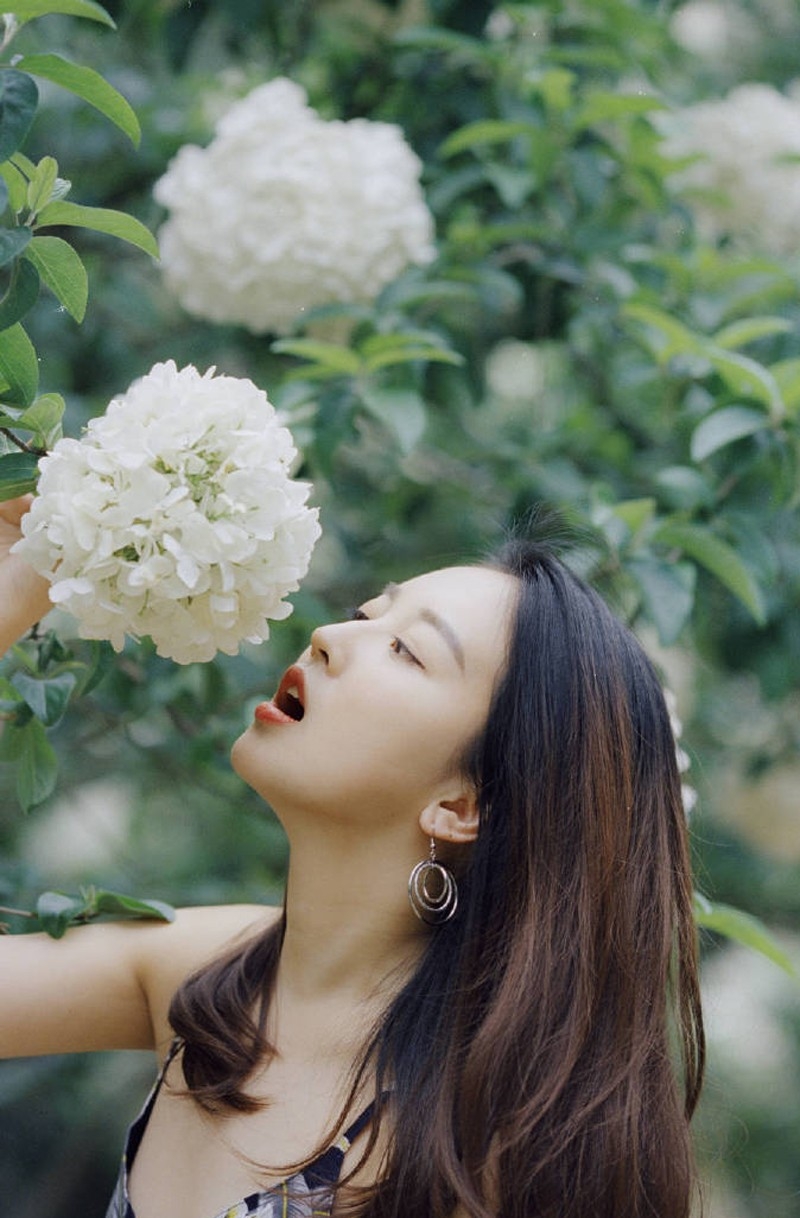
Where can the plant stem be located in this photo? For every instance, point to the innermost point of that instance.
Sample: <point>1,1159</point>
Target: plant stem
<point>17,913</point>
<point>26,448</point>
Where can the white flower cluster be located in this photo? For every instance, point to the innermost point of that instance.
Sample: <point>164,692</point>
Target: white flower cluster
<point>284,211</point>
<point>747,183</point>
<point>688,794</point>
<point>174,516</point>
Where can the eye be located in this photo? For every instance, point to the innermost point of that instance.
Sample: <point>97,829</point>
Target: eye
<point>399,648</point>
<point>358,615</point>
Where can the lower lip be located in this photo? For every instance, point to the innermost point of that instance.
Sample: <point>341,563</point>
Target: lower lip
<point>268,712</point>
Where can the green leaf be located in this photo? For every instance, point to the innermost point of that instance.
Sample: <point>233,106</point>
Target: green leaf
<point>13,242</point>
<point>485,132</point>
<point>635,513</point>
<point>100,220</point>
<point>749,329</point>
<point>37,766</point>
<point>16,184</point>
<point>44,418</point>
<point>87,84</point>
<point>42,184</point>
<point>18,474</point>
<point>19,98</point>
<point>26,10</point>
<point>400,410</point>
<point>671,337</point>
<point>56,911</point>
<point>63,271</point>
<point>684,488</point>
<point>717,557</point>
<point>332,356</point>
<point>723,427</point>
<point>385,350</point>
<point>19,366</point>
<point>742,927</point>
<point>21,296</point>
<point>47,697</point>
<point>747,378</point>
<point>602,105</point>
<point>787,378</point>
<point>667,594</point>
<point>119,905</point>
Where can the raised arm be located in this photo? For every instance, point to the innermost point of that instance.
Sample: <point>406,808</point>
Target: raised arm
<point>108,986</point>
<point>23,593</point>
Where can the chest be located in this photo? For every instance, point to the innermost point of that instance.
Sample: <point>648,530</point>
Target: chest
<point>191,1164</point>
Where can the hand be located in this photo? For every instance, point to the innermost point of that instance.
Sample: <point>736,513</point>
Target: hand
<point>23,594</point>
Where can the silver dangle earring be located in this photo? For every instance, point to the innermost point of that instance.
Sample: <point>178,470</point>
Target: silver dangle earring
<point>432,890</point>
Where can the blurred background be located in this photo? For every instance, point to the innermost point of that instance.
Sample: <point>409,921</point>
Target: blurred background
<point>592,167</point>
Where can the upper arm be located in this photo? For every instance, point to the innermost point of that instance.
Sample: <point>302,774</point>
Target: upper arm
<point>106,986</point>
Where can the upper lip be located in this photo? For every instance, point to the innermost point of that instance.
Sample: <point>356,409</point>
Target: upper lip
<point>291,692</point>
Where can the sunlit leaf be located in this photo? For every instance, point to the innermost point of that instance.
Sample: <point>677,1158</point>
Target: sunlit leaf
<point>19,366</point>
<point>26,10</point>
<point>330,356</point>
<point>100,220</point>
<point>750,329</point>
<point>485,132</point>
<point>88,85</point>
<point>742,928</point>
<point>61,268</point>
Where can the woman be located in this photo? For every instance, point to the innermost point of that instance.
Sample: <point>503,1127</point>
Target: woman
<point>521,1039</point>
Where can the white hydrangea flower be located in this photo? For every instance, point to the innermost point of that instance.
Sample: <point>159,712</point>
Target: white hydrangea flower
<point>747,183</point>
<point>174,516</point>
<point>284,211</point>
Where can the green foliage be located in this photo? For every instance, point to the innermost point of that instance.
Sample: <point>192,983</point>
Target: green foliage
<point>32,197</point>
<point>577,346</point>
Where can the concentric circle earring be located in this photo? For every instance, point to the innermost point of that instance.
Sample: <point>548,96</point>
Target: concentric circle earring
<point>432,890</point>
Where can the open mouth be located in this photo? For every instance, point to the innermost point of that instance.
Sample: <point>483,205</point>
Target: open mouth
<point>290,698</point>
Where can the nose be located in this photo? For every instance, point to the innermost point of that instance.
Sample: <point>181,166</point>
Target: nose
<point>323,645</point>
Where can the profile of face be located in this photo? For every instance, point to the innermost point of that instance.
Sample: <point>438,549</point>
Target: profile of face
<point>367,727</point>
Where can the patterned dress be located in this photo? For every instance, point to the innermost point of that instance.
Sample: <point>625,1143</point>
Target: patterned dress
<point>307,1194</point>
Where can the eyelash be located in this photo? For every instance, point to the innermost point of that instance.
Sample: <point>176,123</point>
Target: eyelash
<point>396,645</point>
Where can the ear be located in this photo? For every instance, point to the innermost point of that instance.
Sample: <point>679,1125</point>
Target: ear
<point>452,820</point>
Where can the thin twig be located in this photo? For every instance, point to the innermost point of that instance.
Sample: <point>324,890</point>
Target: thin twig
<point>17,913</point>
<point>26,448</point>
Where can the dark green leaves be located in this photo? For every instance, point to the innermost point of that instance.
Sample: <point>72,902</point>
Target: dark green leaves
<point>17,474</point>
<point>700,544</point>
<point>57,911</point>
<point>19,98</point>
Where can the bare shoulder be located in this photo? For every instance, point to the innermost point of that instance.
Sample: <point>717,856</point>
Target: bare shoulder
<point>166,954</point>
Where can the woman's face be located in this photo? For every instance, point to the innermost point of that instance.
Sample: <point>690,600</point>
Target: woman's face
<point>389,700</point>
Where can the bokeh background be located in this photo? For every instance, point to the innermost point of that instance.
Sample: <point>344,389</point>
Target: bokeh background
<point>611,170</point>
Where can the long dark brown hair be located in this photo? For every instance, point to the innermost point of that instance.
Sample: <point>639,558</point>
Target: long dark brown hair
<point>547,1054</point>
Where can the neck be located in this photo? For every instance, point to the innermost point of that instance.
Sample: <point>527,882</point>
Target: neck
<point>349,927</point>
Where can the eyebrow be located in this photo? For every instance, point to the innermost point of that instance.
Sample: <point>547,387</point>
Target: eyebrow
<point>433,619</point>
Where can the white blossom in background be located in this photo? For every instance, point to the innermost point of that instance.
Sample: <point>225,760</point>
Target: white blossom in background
<point>174,516</point>
<point>283,212</point>
<point>688,794</point>
<point>714,29</point>
<point>747,182</point>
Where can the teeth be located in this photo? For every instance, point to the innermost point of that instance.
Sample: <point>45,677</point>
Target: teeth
<point>293,692</point>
